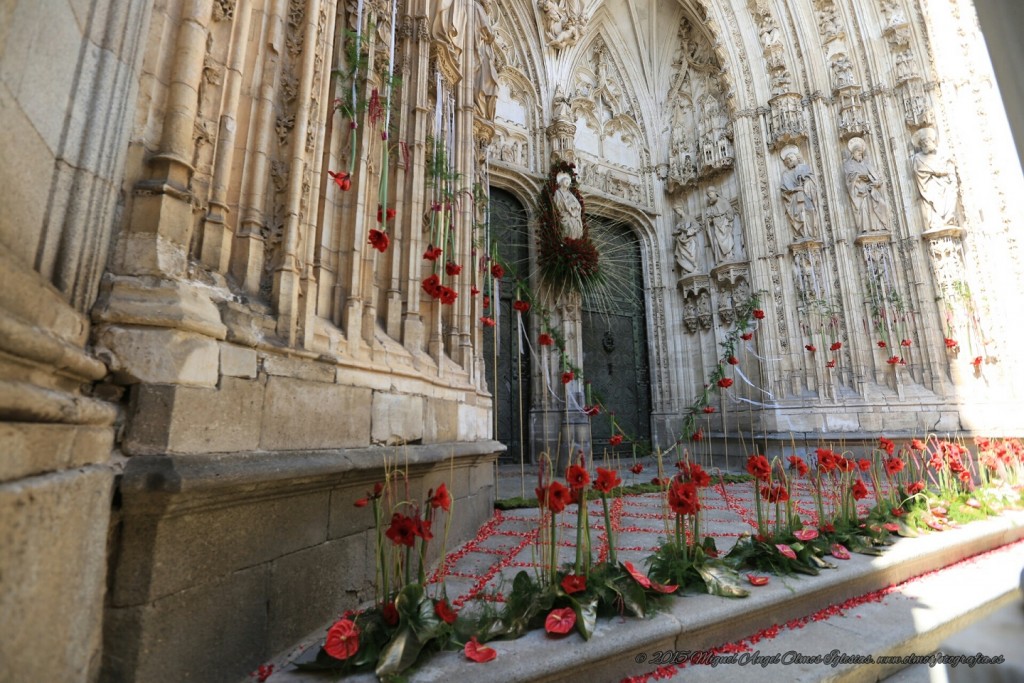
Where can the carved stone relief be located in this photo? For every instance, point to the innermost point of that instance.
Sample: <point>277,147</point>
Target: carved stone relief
<point>563,22</point>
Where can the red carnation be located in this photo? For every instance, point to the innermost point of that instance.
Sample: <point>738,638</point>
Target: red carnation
<point>432,285</point>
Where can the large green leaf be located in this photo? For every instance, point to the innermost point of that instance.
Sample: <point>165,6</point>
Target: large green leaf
<point>586,617</point>
<point>400,653</point>
<point>720,580</point>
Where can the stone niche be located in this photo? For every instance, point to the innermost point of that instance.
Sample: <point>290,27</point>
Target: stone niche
<point>221,562</point>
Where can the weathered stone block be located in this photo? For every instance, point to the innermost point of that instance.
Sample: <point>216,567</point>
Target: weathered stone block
<point>215,631</point>
<point>474,423</point>
<point>396,418</point>
<point>299,368</point>
<point>311,586</point>
<point>841,422</point>
<point>163,556</point>
<point>442,421</point>
<point>299,415</point>
<point>346,518</point>
<point>53,532</point>
<point>159,356</point>
<point>237,361</point>
<point>191,420</point>
<point>33,448</point>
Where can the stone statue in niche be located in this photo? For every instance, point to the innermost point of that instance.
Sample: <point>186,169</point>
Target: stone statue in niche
<point>486,78</point>
<point>828,22</point>
<point>866,189</point>
<point>449,24</point>
<point>936,181</point>
<point>685,234</point>
<point>718,217</point>
<point>570,213</point>
<point>842,72</point>
<point>769,32</point>
<point>800,195</point>
<point>704,310</point>
<point>561,22</point>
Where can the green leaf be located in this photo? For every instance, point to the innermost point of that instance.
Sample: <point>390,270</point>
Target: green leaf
<point>720,580</point>
<point>634,597</point>
<point>586,617</point>
<point>400,653</point>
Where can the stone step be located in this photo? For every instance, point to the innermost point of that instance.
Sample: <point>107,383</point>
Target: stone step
<point>699,622</point>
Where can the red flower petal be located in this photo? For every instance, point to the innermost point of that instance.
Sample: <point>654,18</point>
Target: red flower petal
<point>806,535</point>
<point>756,580</point>
<point>840,552</point>
<point>785,550</point>
<point>560,621</point>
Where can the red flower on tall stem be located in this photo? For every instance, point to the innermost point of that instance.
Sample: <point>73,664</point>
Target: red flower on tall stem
<point>403,530</point>
<point>759,467</point>
<point>568,376</point>
<point>859,490</point>
<point>577,476</point>
<point>758,313</point>
<point>615,440</point>
<point>545,339</point>
<point>497,271</point>
<point>683,499</point>
<point>558,496</point>
<point>951,343</point>
<point>432,253</point>
<point>432,285</point>
<point>797,463</point>
<point>886,445</point>
<point>635,469</point>
<point>381,214</point>
<point>976,362</point>
<point>342,639</point>
<point>725,383</point>
<point>835,346</point>
<point>747,336</point>
<point>520,305</point>
<point>811,347</point>
<point>342,179</point>
<point>441,498</point>
<point>607,480</point>
<point>379,240</point>
<point>488,322</point>
<point>709,409</point>
<point>893,466</point>
<point>905,342</point>
<point>452,268</point>
<point>447,295</point>
<point>733,360</point>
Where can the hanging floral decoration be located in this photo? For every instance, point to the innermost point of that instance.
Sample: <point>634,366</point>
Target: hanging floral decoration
<point>565,264</point>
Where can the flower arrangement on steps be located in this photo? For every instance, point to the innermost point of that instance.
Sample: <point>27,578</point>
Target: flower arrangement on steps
<point>929,485</point>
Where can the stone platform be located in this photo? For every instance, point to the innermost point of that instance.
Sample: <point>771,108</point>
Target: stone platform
<point>804,614</point>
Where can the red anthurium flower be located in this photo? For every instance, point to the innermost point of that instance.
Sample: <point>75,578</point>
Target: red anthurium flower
<point>607,480</point>
<point>733,360</point>
<point>479,653</point>
<point>432,253</point>
<point>811,347</point>
<point>402,531</point>
<point>488,322</point>
<point>859,491</point>
<point>452,268</point>
<point>441,499</point>
<point>577,476</point>
<point>797,463</point>
<point>835,346</point>
<point>558,497</point>
<point>725,383</point>
<point>756,580</point>
<point>444,611</point>
<point>545,339</point>
<point>881,344</point>
<point>497,271</point>
<point>615,440</point>
<point>637,575</point>
<point>747,336</point>
<point>840,552</point>
<point>759,314</point>
<point>574,584</point>
<point>343,180</point>
<point>379,240</point>
<point>709,409</point>
<point>806,535</point>
<point>635,469</point>
<point>342,639</point>
<point>891,527</point>
<point>785,550</point>
<point>520,305</point>
<point>560,621</point>
<point>759,466</point>
<point>905,342</point>
<point>864,464</point>
<point>567,377</point>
